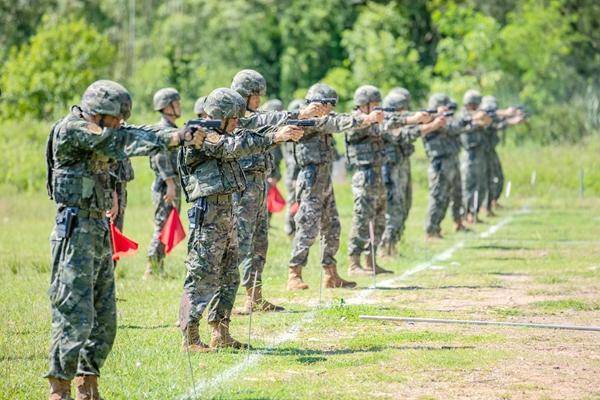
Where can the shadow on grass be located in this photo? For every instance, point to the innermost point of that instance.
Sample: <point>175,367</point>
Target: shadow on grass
<point>499,247</point>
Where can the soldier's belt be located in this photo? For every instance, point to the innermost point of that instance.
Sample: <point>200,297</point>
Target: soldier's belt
<point>90,214</point>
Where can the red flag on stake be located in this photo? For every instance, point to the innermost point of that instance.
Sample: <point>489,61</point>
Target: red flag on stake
<point>275,201</point>
<point>173,232</point>
<point>121,244</point>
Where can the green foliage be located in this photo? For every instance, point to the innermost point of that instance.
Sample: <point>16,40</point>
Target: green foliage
<point>53,69</point>
<point>380,53</point>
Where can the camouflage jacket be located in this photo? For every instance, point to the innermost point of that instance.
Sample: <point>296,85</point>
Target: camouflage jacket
<point>215,169</point>
<point>80,154</point>
<point>164,163</point>
<point>398,137</point>
<point>472,136</point>
<point>364,146</point>
<point>317,144</point>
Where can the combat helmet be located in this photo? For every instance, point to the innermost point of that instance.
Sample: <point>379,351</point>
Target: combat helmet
<point>272,105</point>
<point>488,103</point>
<point>401,92</point>
<point>106,97</point>
<point>249,82</point>
<point>164,97</point>
<point>321,91</point>
<point>437,100</point>
<point>199,105</point>
<point>472,97</point>
<point>224,103</point>
<point>295,105</point>
<point>395,101</point>
<point>366,94</point>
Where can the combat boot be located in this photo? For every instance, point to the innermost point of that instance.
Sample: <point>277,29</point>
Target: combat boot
<point>389,250</point>
<point>433,237</point>
<point>331,279</point>
<point>220,337</point>
<point>295,281</point>
<point>460,227</point>
<point>255,302</point>
<point>60,389</point>
<point>86,387</point>
<point>354,267</point>
<point>191,339</point>
<point>378,270</point>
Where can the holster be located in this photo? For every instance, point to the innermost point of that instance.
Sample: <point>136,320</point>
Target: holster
<point>66,220</point>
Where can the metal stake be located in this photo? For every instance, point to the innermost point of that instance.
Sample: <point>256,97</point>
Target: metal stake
<point>251,309</point>
<point>372,237</point>
<point>477,322</point>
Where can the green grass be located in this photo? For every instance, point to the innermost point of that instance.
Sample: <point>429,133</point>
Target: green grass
<point>541,266</point>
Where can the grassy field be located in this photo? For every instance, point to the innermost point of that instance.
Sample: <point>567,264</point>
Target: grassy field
<point>538,261</point>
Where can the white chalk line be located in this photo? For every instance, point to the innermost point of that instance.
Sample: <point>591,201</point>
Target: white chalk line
<point>201,387</point>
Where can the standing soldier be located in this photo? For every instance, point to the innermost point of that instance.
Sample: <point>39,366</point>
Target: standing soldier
<point>501,119</point>
<point>400,130</point>
<point>291,174</point>
<point>166,189</point>
<point>317,211</point>
<point>199,107</point>
<point>474,166</point>
<point>441,148</point>
<point>250,204</point>
<point>210,176</point>
<point>82,288</point>
<point>274,105</point>
<point>364,150</point>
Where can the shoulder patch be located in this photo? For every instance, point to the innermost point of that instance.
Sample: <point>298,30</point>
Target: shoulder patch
<point>93,128</point>
<point>213,138</point>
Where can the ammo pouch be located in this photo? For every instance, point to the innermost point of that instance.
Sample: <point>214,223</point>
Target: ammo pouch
<point>72,190</point>
<point>66,220</point>
<point>362,153</point>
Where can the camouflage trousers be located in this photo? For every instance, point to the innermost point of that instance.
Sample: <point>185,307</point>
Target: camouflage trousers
<point>317,212</point>
<point>82,299</point>
<point>162,209</point>
<point>369,206</point>
<point>475,179</point>
<point>121,190</point>
<point>398,186</point>
<point>444,184</point>
<point>212,278</point>
<point>250,209</point>
<point>456,195</point>
<point>291,174</point>
<point>495,177</point>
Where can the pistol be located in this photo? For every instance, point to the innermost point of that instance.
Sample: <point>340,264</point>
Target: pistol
<point>329,100</point>
<point>203,123</point>
<point>386,109</point>
<point>301,122</point>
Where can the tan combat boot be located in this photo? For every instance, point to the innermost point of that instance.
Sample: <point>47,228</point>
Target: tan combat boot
<point>378,270</point>
<point>295,281</point>
<point>191,339</point>
<point>60,389</point>
<point>255,302</point>
<point>354,267</point>
<point>331,279</point>
<point>220,337</point>
<point>460,227</point>
<point>86,387</point>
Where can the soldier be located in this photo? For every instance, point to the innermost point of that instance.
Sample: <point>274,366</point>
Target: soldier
<point>314,189</point>
<point>250,204</point>
<point>166,189</point>
<point>456,199</point>
<point>400,130</point>
<point>80,150</point>
<point>291,174</point>
<point>364,150</point>
<point>495,175</point>
<point>210,176</point>
<point>474,166</point>
<point>441,149</point>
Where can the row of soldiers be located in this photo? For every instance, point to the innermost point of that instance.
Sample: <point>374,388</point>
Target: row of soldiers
<point>224,173</point>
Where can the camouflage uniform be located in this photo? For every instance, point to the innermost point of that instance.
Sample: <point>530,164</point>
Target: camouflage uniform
<point>474,163</point>
<point>317,211</point>
<point>82,289</point>
<point>396,171</point>
<point>494,167</point>
<point>364,150</point>
<point>164,165</point>
<point>442,149</point>
<point>210,176</point>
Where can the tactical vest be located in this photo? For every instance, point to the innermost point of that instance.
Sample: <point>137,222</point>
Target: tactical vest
<point>473,138</point>
<point>366,151</point>
<point>85,183</point>
<point>437,144</point>
<point>314,148</point>
<point>203,176</point>
<point>257,162</point>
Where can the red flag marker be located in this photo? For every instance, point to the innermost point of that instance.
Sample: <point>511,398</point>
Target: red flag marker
<point>275,201</point>
<point>173,232</point>
<point>121,244</point>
